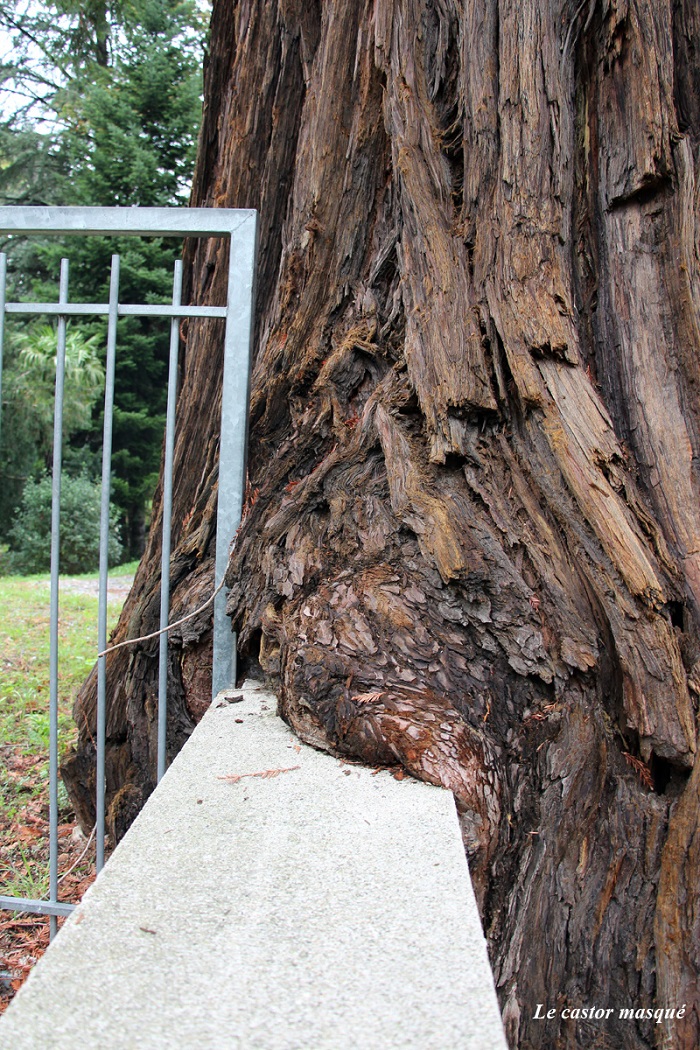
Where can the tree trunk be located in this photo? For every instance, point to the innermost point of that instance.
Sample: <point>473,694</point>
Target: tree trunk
<point>471,544</point>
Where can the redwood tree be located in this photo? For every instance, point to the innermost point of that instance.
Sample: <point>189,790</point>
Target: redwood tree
<point>475,429</point>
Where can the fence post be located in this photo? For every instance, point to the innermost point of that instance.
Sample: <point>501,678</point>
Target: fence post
<point>234,432</point>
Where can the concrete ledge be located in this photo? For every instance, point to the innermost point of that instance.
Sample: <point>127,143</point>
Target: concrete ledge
<point>324,907</point>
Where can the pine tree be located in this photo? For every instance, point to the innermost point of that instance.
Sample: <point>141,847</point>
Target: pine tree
<point>111,118</point>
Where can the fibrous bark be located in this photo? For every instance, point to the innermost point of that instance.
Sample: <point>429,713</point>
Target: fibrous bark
<point>475,420</point>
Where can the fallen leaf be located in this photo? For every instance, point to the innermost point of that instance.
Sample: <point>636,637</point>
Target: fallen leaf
<point>366,698</point>
<point>640,768</point>
<point>264,774</point>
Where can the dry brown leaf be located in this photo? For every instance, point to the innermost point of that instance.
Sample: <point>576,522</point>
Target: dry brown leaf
<point>366,698</point>
<point>640,768</point>
<point>536,716</point>
<point>264,774</point>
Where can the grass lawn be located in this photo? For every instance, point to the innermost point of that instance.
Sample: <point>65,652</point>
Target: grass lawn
<point>24,729</point>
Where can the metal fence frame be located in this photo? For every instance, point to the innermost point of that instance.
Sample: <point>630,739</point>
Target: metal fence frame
<point>240,227</point>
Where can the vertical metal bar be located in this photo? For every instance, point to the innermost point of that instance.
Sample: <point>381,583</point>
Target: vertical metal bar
<point>53,617</point>
<point>167,517</point>
<point>234,432</point>
<point>104,566</point>
<point>3,287</point>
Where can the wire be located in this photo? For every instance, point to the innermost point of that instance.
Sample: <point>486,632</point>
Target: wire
<point>77,862</point>
<point>163,630</point>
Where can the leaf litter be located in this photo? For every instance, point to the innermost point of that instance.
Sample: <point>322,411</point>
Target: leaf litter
<point>264,774</point>
<point>24,855</point>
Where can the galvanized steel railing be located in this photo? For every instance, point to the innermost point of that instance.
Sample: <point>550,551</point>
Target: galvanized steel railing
<point>241,228</point>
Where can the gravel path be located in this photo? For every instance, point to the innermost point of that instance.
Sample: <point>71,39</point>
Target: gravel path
<point>118,587</point>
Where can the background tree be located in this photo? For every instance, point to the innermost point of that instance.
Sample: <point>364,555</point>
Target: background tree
<point>104,110</point>
<point>473,463</point>
<point>28,402</point>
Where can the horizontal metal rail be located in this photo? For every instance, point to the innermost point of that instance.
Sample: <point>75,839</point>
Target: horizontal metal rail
<point>123,310</point>
<point>36,907</point>
<point>135,222</point>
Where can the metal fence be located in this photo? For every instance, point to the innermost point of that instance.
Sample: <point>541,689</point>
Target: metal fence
<point>240,227</point>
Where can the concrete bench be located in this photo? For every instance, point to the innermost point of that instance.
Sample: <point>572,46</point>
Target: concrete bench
<point>321,907</point>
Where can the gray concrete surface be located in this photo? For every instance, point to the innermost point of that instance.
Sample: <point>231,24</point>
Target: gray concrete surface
<point>324,907</point>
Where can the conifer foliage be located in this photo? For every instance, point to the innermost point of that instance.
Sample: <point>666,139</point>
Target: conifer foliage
<point>101,106</point>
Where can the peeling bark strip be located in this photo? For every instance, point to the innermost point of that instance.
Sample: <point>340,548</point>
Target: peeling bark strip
<point>473,541</point>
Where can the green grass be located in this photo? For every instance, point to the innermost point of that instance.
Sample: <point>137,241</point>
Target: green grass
<point>28,880</point>
<point>24,674</point>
